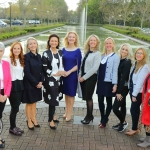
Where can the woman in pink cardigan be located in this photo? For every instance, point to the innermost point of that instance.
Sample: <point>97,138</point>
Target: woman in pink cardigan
<point>5,85</point>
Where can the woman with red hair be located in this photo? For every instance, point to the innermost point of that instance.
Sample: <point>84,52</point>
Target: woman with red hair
<point>16,67</point>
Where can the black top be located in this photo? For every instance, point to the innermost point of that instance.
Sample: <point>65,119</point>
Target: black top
<point>57,57</point>
<point>123,74</point>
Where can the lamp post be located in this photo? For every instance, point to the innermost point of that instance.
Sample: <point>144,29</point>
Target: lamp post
<point>10,12</point>
<point>35,16</point>
<point>47,17</point>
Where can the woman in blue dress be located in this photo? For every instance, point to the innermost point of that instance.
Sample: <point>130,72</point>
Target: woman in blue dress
<point>71,61</point>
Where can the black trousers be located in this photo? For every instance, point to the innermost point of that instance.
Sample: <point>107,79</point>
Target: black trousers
<point>2,105</point>
<point>119,107</point>
<point>135,111</point>
<point>12,117</point>
<point>104,115</point>
<point>51,113</point>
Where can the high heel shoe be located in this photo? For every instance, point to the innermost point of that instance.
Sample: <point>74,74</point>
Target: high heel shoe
<point>2,140</point>
<point>56,121</point>
<point>2,145</point>
<point>87,121</point>
<point>68,119</point>
<point>102,125</point>
<point>52,127</point>
<point>37,125</point>
<point>64,116</point>
<point>30,128</point>
<point>131,132</point>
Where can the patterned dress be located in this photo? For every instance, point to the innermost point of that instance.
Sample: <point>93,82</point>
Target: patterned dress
<point>52,91</point>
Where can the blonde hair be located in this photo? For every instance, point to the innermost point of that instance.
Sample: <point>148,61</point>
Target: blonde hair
<point>130,52</point>
<point>141,63</point>
<point>27,49</point>
<point>65,40</point>
<point>87,46</point>
<point>104,49</point>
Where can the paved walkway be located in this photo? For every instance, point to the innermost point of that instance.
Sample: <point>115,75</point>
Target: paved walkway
<point>69,135</point>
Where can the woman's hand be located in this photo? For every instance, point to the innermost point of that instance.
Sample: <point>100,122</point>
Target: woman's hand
<point>3,98</point>
<point>119,97</point>
<point>81,79</point>
<point>39,85</point>
<point>58,73</point>
<point>79,76</point>
<point>67,73</point>
<point>134,99</point>
<point>114,88</point>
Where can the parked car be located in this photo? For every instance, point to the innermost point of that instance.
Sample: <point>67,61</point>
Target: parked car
<point>2,24</point>
<point>17,22</point>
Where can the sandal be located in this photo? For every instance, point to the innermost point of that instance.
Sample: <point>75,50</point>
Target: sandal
<point>15,131</point>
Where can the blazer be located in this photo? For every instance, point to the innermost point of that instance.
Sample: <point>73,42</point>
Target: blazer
<point>7,77</point>
<point>138,79</point>
<point>33,73</point>
<point>111,72</point>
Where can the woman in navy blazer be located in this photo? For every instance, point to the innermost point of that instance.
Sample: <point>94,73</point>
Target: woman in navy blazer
<point>33,79</point>
<point>107,79</point>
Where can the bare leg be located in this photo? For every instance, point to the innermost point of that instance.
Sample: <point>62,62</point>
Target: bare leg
<point>28,114</point>
<point>33,113</point>
<point>66,109</point>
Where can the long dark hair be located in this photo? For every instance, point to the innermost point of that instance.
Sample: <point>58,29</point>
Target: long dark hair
<point>49,38</point>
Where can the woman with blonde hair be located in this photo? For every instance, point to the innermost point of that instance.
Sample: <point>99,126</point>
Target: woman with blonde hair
<point>107,79</point>
<point>119,106</point>
<point>137,76</point>
<point>33,79</point>
<point>71,61</point>
<point>88,74</point>
<point>16,59</point>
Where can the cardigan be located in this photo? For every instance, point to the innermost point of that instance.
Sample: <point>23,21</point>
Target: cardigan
<point>7,77</point>
<point>91,64</point>
<point>111,72</point>
<point>123,74</point>
<point>138,79</point>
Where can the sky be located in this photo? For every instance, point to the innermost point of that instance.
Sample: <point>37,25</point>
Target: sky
<point>72,4</point>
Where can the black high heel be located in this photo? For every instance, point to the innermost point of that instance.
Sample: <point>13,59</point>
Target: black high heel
<point>32,128</point>
<point>2,140</point>
<point>2,145</point>
<point>37,126</point>
<point>56,121</point>
<point>87,121</point>
<point>53,128</point>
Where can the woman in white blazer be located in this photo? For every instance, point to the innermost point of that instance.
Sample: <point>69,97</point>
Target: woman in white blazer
<point>137,76</point>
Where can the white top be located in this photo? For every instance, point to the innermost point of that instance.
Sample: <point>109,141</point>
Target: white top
<point>16,71</point>
<point>1,76</point>
<point>103,61</point>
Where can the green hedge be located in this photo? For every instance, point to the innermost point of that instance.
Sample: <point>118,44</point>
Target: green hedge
<point>142,37</point>
<point>11,34</point>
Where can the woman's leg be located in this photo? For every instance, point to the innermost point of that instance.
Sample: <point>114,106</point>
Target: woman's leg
<point>51,115</point>
<point>66,109</point>
<point>28,115</point>
<point>101,106</point>
<point>135,111</point>
<point>89,109</point>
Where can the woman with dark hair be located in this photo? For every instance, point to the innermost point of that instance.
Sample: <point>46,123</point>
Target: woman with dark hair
<point>16,66</point>
<point>33,79</point>
<point>53,69</point>
<point>5,85</point>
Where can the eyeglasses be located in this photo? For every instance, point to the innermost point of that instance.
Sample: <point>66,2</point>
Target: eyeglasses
<point>138,53</point>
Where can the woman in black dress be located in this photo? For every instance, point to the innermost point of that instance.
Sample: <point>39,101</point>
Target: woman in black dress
<point>53,69</point>
<point>33,79</point>
<point>119,106</point>
<point>16,66</point>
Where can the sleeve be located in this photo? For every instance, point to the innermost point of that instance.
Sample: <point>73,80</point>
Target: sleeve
<point>45,62</point>
<point>9,82</point>
<point>140,80</point>
<point>81,64</point>
<point>79,57</point>
<point>27,72</point>
<point>95,66</point>
<point>125,75</point>
<point>115,70</point>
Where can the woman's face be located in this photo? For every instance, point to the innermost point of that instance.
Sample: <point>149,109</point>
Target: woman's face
<point>32,46</point>
<point>16,50</point>
<point>71,38</point>
<point>53,42</point>
<point>139,55</point>
<point>124,51</point>
<point>93,42</point>
<point>109,45</point>
<point>1,53</point>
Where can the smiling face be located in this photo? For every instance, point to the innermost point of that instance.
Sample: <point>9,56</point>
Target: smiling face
<point>71,38</point>
<point>32,45</point>
<point>109,45</point>
<point>53,42</point>
<point>1,53</point>
<point>139,55</point>
<point>16,50</point>
<point>92,43</point>
<point>124,51</point>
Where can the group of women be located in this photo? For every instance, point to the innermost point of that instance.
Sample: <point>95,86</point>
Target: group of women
<point>62,71</point>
